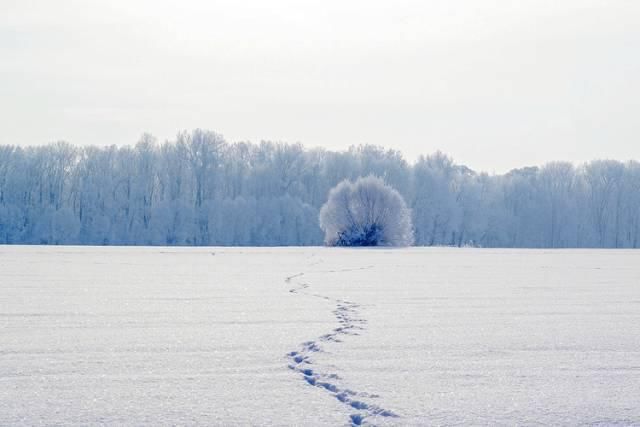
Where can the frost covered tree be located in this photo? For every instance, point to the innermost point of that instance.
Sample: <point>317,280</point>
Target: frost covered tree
<point>198,189</point>
<point>366,212</point>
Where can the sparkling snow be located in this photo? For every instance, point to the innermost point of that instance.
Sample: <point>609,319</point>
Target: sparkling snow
<point>318,336</point>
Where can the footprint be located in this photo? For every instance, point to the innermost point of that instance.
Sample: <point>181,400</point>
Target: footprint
<point>347,316</point>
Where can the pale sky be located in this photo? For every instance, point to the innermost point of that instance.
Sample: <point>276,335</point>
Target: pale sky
<point>495,84</point>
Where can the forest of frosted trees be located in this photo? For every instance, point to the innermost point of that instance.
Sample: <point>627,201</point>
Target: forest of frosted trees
<point>202,190</point>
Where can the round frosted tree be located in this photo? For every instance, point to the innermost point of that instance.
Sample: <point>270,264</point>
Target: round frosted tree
<point>366,212</point>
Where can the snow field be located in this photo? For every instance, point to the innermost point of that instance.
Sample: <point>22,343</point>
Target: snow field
<point>318,336</point>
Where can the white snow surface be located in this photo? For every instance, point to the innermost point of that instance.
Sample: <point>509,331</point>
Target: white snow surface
<point>318,336</point>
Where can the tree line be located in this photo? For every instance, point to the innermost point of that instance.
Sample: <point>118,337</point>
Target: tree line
<point>202,190</point>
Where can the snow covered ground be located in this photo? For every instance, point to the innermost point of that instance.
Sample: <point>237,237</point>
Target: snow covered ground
<point>318,336</point>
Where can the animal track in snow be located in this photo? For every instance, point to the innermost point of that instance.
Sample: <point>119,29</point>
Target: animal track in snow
<point>301,361</point>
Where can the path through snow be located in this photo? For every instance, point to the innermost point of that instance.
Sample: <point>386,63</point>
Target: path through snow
<point>351,323</point>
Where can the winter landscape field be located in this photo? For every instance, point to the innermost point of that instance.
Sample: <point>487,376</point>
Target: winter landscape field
<point>318,336</point>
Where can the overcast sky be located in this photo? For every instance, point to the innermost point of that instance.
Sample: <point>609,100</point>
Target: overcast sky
<point>495,84</point>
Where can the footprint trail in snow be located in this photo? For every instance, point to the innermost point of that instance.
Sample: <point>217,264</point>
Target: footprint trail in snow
<point>301,360</point>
